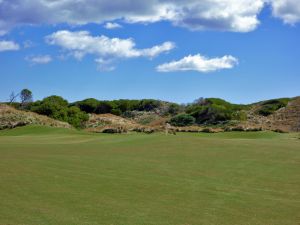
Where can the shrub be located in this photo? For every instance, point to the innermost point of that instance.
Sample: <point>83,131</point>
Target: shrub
<point>116,112</point>
<point>76,117</point>
<point>174,109</point>
<point>58,108</point>
<point>182,120</point>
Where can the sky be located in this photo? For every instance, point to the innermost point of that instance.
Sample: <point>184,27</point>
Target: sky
<point>239,50</point>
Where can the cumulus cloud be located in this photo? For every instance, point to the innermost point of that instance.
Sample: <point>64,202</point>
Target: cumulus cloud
<point>40,59</point>
<point>8,46</point>
<point>82,43</point>
<point>224,15</point>
<point>199,63</point>
<point>112,26</point>
<point>287,10</point>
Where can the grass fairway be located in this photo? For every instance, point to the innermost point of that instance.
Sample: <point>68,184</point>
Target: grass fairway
<point>62,177</point>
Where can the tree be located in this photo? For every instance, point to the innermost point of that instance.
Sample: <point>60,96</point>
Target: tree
<point>88,105</point>
<point>52,106</point>
<point>149,105</point>
<point>26,97</point>
<point>104,107</point>
<point>13,97</point>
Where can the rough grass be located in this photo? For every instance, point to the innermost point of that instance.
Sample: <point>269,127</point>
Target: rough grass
<point>56,176</point>
<point>11,117</point>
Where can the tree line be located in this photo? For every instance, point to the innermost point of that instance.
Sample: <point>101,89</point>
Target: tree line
<point>201,111</point>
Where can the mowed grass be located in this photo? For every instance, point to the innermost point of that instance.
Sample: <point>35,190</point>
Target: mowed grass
<point>57,176</point>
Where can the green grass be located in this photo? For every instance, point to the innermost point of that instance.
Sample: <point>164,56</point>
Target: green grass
<point>56,176</point>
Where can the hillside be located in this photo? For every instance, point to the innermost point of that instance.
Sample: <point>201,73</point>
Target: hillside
<point>286,118</point>
<point>120,116</point>
<point>11,118</point>
<point>289,117</point>
<point>98,123</point>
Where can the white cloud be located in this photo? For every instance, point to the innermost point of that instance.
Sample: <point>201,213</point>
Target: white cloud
<point>104,65</point>
<point>8,46</point>
<point>224,15</point>
<point>199,63</point>
<point>221,15</point>
<point>287,10</point>
<point>82,43</point>
<point>112,26</point>
<point>40,59</point>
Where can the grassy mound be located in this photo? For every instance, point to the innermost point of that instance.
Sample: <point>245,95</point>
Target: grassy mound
<point>11,118</point>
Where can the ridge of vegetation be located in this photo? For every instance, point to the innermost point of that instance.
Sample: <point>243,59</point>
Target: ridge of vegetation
<point>201,112</point>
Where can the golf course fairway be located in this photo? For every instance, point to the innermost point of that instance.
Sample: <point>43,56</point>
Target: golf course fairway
<point>51,176</point>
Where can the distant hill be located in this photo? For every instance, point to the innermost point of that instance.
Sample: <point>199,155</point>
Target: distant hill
<point>282,115</point>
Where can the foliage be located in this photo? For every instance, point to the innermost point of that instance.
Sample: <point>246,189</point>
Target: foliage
<point>88,105</point>
<point>149,105</point>
<point>75,116</point>
<point>214,110</point>
<point>270,106</point>
<point>117,107</point>
<point>58,108</point>
<point>182,120</point>
<point>174,109</point>
<point>239,115</point>
<point>103,107</point>
<point>204,110</point>
<point>116,112</point>
<point>26,98</point>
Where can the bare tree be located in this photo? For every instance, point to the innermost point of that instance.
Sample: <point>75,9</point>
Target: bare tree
<point>13,97</point>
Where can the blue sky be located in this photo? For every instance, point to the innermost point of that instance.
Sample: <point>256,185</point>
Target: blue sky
<point>153,55</point>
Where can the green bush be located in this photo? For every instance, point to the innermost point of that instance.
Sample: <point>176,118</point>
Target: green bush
<point>174,109</point>
<point>58,108</point>
<point>76,117</point>
<point>182,120</point>
<point>116,112</point>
